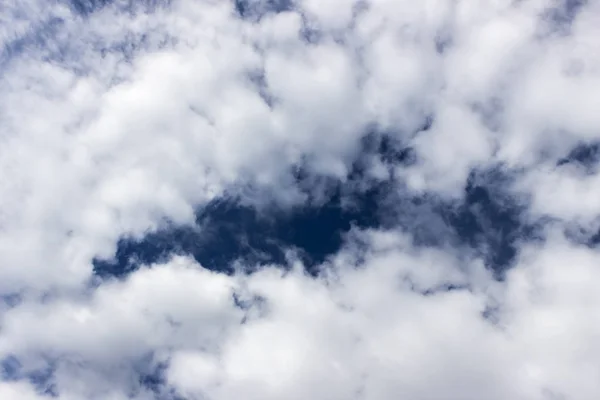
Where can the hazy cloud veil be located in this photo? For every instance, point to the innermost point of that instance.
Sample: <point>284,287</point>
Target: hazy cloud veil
<point>281,199</point>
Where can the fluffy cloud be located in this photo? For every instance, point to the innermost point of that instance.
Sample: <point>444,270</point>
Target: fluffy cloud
<point>121,118</point>
<point>384,326</point>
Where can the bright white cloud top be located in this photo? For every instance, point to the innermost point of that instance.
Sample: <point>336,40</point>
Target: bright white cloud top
<point>120,118</point>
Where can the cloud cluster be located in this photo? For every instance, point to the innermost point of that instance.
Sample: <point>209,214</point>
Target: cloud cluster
<point>120,118</point>
<point>380,323</point>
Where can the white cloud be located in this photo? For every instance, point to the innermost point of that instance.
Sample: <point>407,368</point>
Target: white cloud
<point>16,391</point>
<point>369,333</point>
<point>97,143</point>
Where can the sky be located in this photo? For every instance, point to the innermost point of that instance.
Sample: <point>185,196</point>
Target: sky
<point>299,199</point>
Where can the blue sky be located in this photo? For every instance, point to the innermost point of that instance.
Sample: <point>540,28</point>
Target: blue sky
<point>299,199</point>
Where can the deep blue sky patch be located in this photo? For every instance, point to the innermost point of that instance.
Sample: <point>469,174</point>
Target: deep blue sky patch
<point>256,9</point>
<point>86,7</point>
<point>227,230</point>
<point>489,222</point>
<point>585,155</point>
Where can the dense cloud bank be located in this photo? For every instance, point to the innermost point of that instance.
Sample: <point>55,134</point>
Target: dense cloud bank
<point>299,199</point>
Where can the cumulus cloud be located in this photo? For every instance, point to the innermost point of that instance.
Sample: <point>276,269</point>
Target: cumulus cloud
<point>123,118</point>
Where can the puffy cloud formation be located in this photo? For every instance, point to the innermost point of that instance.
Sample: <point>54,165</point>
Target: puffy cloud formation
<point>450,147</point>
